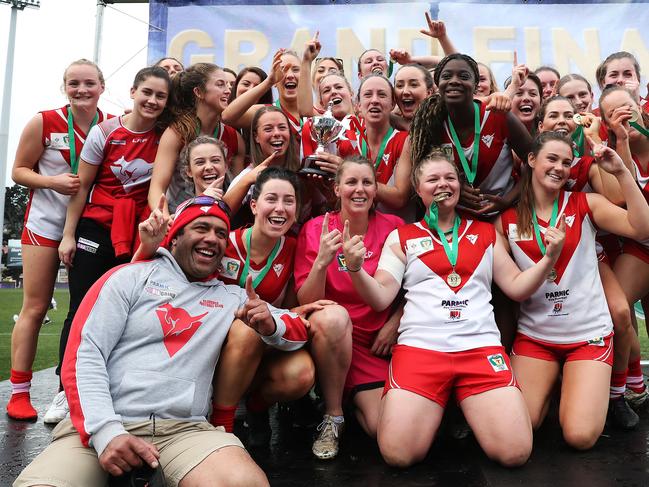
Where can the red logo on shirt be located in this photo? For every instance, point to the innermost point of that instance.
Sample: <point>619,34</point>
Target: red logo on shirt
<point>178,326</point>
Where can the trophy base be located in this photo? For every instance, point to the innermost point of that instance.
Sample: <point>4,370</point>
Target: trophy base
<point>311,168</point>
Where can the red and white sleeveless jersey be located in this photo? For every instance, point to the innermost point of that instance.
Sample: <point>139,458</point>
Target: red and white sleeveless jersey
<point>126,163</point>
<point>437,316</point>
<point>495,161</point>
<point>393,149</point>
<point>572,308</point>
<point>272,288</point>
<point>579,180</point>
<point>46,209</point>
<point>642,177</point>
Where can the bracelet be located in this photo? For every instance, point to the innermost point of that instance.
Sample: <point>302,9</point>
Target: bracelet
<point>355,270</point>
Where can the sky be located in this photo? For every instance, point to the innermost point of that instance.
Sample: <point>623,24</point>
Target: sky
<point>50,38</point>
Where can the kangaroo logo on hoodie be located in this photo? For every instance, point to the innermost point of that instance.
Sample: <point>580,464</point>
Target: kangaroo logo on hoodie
<point>178,326</point>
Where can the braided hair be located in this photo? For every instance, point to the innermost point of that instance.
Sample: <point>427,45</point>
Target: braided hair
<point>428,124</point>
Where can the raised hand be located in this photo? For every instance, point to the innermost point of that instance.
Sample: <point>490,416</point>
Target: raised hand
<point>400,56</point>
<point>153,230</point>
<point>618,122</point>
<point>498,102</point>
<point>607,159</point>
<point>353,249</point>
<point>554,238</point>
<point>215,189</point>
<point>330,243</point>
<point>255,312</point>
<point>251,177</point>
<point>436,28</point>
<point>126,452</point>
<point>67,184</point>
<point>312,48</point>
<point>277,73</point>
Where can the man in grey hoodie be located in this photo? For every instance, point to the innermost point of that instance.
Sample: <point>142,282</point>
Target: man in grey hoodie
<point>139,363</point>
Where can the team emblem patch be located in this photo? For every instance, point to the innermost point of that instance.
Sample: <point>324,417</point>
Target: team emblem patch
<point>205,209</point>
<point>497,362</point>
<point>418,245</point>
<point>597,342</point>
<point>342,265</point>
<point>570,220</point>
<point>178,326</point>
<point>472,238</point>
<point>58,141</point>
<point>230,267</point>
<point>487,139</point>
<point>278,268</point>
<point>557,307</point>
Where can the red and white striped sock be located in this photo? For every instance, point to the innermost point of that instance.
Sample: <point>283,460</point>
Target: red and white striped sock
<point>19,405</point>
<point>634,378</point>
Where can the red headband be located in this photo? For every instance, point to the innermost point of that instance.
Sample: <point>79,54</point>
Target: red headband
<point>189,213</point>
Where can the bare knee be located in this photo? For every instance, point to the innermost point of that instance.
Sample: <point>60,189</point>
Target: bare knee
<point>397,454</point>
<point>243,342</point>
<point>511,455</point>
<point>621,316</point>
<point>251,477</point>
<point>580,438</point>
<point>296,377</point>
<point>332,321</point>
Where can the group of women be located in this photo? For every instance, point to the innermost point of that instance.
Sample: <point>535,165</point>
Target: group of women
<point>453,226</point>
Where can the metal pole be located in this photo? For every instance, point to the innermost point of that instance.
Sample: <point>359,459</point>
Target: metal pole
<point>99,25</point>
<point>6,108</point>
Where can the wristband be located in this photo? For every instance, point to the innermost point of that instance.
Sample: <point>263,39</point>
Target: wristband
<point>355,270</point>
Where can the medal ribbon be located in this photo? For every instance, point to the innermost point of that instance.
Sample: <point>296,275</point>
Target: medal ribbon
<point>74,160</point>
<point>553,221</point>
<point>451,250</point>
<point>217,130</point>
<point>578,139</point>
<point>384,143</point>
<point>469,172</point>
<point>640,128</point>
<point>260,277</point>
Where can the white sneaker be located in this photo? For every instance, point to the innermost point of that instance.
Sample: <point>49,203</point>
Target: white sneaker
<point>58,410</point>
<point>15,318</point>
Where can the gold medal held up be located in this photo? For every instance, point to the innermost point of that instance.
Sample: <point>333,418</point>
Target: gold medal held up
<point>454,279</point>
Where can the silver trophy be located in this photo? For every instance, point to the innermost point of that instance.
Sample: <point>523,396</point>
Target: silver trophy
<point>325,129</point>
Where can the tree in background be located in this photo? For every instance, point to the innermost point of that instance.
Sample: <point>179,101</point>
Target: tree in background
<point>16,198</point>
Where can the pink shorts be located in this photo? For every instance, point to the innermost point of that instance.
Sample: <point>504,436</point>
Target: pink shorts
<point>434,375</point>
<point>30,238</point>
<point>599,349</point>
<point>366,371</point>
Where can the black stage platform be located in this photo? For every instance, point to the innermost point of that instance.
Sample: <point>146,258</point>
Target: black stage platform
<point>619,459</point>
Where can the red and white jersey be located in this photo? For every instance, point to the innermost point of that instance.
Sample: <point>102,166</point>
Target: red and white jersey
<point>272,288</point>
<point>46,209</point>
<point>642,177</point>
<point>179,188</point>
<point>389,159</point>
<point>126,163</point>
<point>579,179</point>
<point>572,308</point>
<point>495,162</point>
<point>437,316</point>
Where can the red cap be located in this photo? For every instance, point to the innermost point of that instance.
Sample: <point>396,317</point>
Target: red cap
<point>189,213</point>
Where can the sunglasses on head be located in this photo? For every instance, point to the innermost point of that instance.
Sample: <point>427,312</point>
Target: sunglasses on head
<point>203,200</point>
<point>339,62</point>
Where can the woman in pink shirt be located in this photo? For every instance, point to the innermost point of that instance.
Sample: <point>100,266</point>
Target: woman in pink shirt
<point>320,272</point>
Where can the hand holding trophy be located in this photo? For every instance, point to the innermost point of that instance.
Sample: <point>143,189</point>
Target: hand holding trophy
<point>325,129</point>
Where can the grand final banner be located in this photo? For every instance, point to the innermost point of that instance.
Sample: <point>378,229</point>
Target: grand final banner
<point>573,37</point>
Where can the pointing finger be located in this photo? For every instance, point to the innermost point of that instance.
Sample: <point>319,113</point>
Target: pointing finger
<point>515,58</point>
<point>325,224</point>
<point>346,231</point>
<point>161,202</point>
<point>250,291</point>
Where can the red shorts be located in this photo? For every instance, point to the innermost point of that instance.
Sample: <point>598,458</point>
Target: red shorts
<point>30,238</point>
<point>366,371</point>
<point>636,249</point>
<point>598,349</point>
<point>609,248</point>
<point>434,375</point>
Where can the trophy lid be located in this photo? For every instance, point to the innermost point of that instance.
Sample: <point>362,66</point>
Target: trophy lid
<point>329,110</point>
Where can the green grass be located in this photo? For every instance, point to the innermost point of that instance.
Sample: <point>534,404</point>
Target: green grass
<point>48,341</point>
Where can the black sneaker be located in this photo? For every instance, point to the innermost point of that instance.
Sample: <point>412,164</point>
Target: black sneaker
<point>259,432</point>
<point>621,415</point>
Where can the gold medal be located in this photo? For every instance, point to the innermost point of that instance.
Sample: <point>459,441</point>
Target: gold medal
<point>552,275</point>
<point>454,279</point>
<point>634,116</point>
<point>578,119</point>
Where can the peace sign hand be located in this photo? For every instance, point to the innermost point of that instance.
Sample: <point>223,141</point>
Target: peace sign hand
<point>554,238</point>
<point>255,312</point>
<point>330,243</point>
<point>353,249</point>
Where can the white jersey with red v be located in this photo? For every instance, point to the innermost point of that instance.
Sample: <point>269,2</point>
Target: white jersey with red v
<point>572,308</point>
<point>438,316</point>
<point>272,288</point>
<point>495,161</point>
<point>46,209</point>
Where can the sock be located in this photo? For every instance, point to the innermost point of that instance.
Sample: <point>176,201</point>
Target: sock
<point>618,384</point>
<point>19,405</point>
<point>223,416</point>
<point>256,404</point>
<point>634,379</point>
<point>338,419</point>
